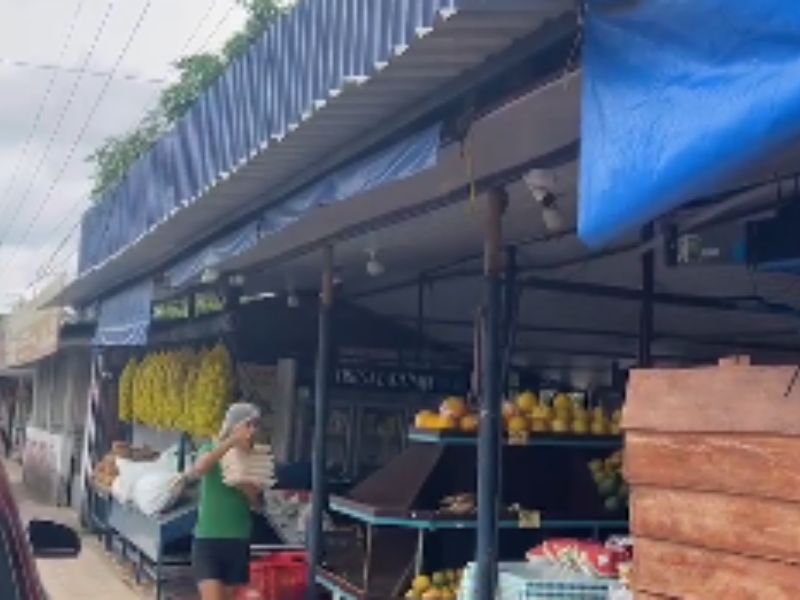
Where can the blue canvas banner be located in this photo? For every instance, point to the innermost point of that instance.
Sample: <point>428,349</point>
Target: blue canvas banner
<point>678,96</point>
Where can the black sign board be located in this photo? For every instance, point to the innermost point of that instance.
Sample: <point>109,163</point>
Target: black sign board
<point>385,378</point>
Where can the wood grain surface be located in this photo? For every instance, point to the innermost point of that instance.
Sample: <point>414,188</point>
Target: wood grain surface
<point>695,574</point>
<point>723,399</point>
<point>761,466</point>
<point>737,524</point>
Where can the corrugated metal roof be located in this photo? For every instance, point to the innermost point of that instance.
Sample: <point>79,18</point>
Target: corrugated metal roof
<point>331,73</point>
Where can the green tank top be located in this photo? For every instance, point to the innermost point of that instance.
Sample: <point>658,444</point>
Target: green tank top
<point>224,512</point>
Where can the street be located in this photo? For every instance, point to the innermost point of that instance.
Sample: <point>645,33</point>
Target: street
<point>90,576</point>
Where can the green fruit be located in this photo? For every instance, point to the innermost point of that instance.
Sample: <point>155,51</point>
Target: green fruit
<point>608,486</point>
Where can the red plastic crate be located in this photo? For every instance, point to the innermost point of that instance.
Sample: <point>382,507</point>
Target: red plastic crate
<point>279,576</point>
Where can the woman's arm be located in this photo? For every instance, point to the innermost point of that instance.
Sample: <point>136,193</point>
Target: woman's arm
<point>240,436</point>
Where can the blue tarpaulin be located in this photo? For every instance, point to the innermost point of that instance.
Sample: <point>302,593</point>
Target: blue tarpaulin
<point>124,319</point>
<point>307,57</point>
<point>404,159</point>
<point>679,95</point>
<point>400,161</point>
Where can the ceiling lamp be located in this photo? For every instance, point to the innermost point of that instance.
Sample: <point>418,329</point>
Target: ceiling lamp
<point>209,275</point>
<point>541,184</point>
<point>375,268</point>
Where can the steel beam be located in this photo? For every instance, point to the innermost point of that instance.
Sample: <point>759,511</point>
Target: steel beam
<point>491,396</point>
<point>319,492</point>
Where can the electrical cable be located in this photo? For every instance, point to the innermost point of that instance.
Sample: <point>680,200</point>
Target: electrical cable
<point>37,119</point>
<point>46,268</point>
<point>9,223</point>
<point>89,119</point>
<point>24,64</point>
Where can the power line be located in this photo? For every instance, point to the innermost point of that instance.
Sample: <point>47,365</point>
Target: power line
<point>37,119</point>
<point>60,121</point>
<point>47,266</point>
<point>89,119</point>
<point>24,64</point>
<point>216,28</point>
<point>206,14</point>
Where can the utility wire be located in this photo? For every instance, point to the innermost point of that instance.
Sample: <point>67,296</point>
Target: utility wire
<point>9,224</point>
<point>48,266</point>
<point>87,122</point>
<point>37,119</point>
<point>24,64</point>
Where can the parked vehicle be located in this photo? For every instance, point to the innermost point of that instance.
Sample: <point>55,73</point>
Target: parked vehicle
<point>19,579</point>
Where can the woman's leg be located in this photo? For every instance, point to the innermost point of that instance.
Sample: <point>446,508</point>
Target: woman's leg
<point>213,590</point>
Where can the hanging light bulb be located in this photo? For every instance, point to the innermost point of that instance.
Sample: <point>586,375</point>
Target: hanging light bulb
<point>540,184</point>
<point>375,268</point>
<point>292,299</point>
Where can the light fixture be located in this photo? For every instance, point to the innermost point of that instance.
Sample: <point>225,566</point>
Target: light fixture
<point>338,278</point>
<point>292,299</point>
<point>541,184</point>
<point>210,275</point>
<point>375,268</point>
<point>236,280</point>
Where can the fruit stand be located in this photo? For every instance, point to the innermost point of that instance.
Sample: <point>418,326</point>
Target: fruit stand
<point>412,524</point>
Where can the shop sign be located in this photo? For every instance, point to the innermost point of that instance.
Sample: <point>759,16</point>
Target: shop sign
<point>32,332</point>
<point>398,379</point>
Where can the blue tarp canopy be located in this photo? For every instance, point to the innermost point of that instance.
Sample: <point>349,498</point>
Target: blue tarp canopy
<point>124,319</point>
<point>402,160</point>
<point>678,96</point>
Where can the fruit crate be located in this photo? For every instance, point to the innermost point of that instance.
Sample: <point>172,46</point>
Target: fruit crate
<point>278,576</point>
<point>539,580</point>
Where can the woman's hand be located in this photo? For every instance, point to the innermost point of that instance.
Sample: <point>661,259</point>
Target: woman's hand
<point>253,494</point>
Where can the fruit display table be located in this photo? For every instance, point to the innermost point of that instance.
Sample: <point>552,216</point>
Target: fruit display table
<point>405,526</point>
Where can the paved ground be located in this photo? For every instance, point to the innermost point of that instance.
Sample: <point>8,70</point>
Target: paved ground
<point>92,576</point>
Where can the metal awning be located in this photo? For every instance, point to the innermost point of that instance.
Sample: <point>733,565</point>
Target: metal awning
<point>378,77</point>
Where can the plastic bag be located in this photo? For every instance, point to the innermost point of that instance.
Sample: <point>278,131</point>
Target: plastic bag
<point>157,492</point>
<point>129,473</point>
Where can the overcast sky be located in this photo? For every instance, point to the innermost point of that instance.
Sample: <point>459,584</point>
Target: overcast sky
<point>42,190</point>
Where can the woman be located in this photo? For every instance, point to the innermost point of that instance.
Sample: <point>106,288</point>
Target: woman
<point>221,550</point>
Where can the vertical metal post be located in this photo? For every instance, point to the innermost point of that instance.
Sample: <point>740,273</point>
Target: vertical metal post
<point>510,310</point>
<point>646,315</point>
<point>319,497</point>
<point>420,319</point>
<point>489,434</point>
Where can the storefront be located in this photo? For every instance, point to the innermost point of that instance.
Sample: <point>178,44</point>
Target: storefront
<point>442,357</point>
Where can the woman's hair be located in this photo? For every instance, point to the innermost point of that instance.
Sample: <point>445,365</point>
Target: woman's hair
<point>238,413</point>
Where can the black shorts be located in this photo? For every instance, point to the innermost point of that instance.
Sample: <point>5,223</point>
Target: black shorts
<point>227,561</point>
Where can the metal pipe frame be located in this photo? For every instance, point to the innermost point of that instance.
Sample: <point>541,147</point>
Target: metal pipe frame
<point>489,434</point>
<point>319,492</point>
<point>646,312</point>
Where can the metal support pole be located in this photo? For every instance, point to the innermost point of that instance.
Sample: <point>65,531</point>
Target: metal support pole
<point>319,496</point>
<point>646,321</point>
<point>510,315</point>
<point>489,434</point>
<point>420,319</point>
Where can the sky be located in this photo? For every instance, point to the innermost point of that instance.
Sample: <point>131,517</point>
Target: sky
<point>51,119</point>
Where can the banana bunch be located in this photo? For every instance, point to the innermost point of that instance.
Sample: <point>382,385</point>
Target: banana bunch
<point>213,391</point>
<point>126,391</point>
<point>180,390</point>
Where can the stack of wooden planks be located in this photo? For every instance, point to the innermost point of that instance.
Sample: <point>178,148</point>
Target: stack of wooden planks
<point>713,459</point>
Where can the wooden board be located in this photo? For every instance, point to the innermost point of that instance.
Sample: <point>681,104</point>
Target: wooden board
<point>762,466</point>
<point>646,596</point>
<point>725,399</point>
<point>692,574</point>
<point>737,524</point>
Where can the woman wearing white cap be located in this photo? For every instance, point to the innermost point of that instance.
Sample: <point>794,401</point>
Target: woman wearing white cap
<point>221,549</point>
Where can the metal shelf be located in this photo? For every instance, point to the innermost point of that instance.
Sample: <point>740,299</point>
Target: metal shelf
<point>541,441</point>
<point>428,524</point>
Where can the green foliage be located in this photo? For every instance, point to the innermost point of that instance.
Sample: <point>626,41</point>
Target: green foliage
<point>117,154</point>
<point>197,73</point>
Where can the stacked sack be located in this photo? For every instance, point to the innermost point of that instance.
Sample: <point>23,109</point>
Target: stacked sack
<point>255,467</point>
